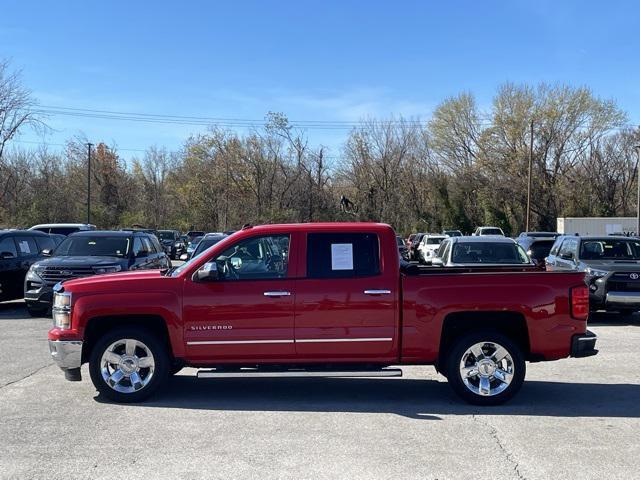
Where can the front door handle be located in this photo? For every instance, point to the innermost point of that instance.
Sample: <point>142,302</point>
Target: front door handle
<point>377,292</point>
<point>277,294</point>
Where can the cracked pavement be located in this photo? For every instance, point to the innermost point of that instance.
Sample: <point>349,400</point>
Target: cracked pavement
<point>574,418</point>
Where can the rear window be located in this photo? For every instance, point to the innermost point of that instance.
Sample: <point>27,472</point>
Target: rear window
<point>342,255</point>
<point>491,231</point>
<point>488,252</point>
<point>434,241</point>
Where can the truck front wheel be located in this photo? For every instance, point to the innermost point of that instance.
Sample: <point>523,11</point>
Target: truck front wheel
<point>128,364</point>
<point>485,368</point>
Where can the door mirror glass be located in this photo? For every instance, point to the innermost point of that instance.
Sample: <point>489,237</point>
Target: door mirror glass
<point>207,273</point>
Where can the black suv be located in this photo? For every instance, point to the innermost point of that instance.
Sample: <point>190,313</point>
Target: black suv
<point>537,245</point>
<point>611,265</point>
<point>172,243</point>
<point>90,253</point>
<point>19,249</point>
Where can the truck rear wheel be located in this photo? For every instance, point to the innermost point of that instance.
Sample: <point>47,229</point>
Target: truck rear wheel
<point>485,368</point>
<point>129,364</point>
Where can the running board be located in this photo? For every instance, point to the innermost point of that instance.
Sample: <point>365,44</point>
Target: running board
<point>252,373</point>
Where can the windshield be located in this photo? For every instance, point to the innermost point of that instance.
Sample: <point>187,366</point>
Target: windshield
<point>610,249</point>
<point>492,231</point>
<point>97,246</point>
<point>488,252</point>
<point>540,250</point>
<point>434,240</point>
<point>166,235</point>
<point>453,233</point>
<point>206,243</point>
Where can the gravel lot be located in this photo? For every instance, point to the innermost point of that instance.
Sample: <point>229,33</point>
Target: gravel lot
<point>576,418</point>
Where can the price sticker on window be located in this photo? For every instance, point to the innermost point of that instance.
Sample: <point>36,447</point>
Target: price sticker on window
<point>341,256</point>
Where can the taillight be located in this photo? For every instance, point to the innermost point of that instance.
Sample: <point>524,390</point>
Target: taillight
<point>579,298</point>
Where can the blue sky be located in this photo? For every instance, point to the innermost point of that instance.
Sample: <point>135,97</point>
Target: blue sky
<point>332,60</point>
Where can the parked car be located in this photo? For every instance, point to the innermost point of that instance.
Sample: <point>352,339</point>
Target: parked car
<point>413,248</point>
<point>172,243</point>
<point>481,252</point>
<point>19,249</point>
<point>452,233</point>
<point>207,241</point>
<point>611,266</point>
<point>482,231</point>
<point>245,308</point>
<point>537,245</point>
<point>428,247</point>
<point>403,251</point>
<point>191,234</point>
<point>85,254</point>
<point>191,247</point>
<point>63,228</point>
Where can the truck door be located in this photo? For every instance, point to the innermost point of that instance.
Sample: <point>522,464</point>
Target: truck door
<point>248,312</point>
<point>346,302</point>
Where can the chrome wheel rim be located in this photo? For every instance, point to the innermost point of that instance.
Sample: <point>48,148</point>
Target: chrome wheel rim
<point>127,365</point>
<point>487,369</point>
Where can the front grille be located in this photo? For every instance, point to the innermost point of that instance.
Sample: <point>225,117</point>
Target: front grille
<point>53,275</point>
<point>622,282</point>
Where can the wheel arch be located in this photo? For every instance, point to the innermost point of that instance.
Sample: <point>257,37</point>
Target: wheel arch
<point>508,323</point>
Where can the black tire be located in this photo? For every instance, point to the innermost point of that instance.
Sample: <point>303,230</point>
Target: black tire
<point>455,357</point>
<point>36,310</point>
<point>160,357</point>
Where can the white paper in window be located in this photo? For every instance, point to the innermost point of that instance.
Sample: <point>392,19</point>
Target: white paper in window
<point>24,247</point>
<point>341,256</point>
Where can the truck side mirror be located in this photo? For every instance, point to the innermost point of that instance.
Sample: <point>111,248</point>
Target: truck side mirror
<point>46,252</point>
<point>207,273</point>
<point>184,256</point>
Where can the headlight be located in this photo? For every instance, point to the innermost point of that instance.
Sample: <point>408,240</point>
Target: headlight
<point>61,310</point>
<point>35,271</point>
<point>594,272</point>
<point>110,269</point>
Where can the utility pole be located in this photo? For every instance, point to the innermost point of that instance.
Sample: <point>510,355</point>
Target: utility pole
<point>638,198</point>
<point>529,182</point>
<point>89,145</point>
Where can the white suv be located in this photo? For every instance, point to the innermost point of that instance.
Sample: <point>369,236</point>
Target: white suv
<point>482,231</point>
<point>429,246</point>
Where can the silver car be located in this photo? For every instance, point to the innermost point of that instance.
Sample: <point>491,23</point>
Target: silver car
<point>486,251</point>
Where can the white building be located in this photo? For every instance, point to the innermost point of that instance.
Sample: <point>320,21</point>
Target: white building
<point>597,225</point>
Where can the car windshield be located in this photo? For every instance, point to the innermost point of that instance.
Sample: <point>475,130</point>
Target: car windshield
<point>435,240</point>
<point>610,249</point>
<point>98,246</point>
<point>491,231</point>
<point>194,241</point>
<point>206,243</point>
<point>540,250</point>
<point>166,235</point>
<point>488,252</point>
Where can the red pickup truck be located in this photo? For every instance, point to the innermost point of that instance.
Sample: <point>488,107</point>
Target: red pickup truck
<point>319,299</point>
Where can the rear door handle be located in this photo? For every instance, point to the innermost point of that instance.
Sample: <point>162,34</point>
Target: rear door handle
<point>277,294</point>
<point>377,292</point>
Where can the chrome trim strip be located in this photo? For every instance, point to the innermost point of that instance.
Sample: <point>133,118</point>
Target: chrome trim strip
<point>235,342</point>
<point>377,292</point>
<point>277,294</point>
<point>341,340</point>
<point>301,340</point>
<point>390,372</point>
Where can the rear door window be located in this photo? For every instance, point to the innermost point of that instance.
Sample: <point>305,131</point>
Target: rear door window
<point>342,255</point>
<point>7,246</point>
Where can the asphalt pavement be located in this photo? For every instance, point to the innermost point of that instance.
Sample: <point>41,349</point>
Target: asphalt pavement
<point>574,418</point>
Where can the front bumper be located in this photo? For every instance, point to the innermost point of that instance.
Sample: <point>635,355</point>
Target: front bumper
<point>42,294</point>
<point>583,345</point>
<point>66,353</point>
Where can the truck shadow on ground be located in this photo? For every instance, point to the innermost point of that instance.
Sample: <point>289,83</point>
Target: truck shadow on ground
<point>412,398</point>
<point>613,319</point>
<point>14,310</point>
